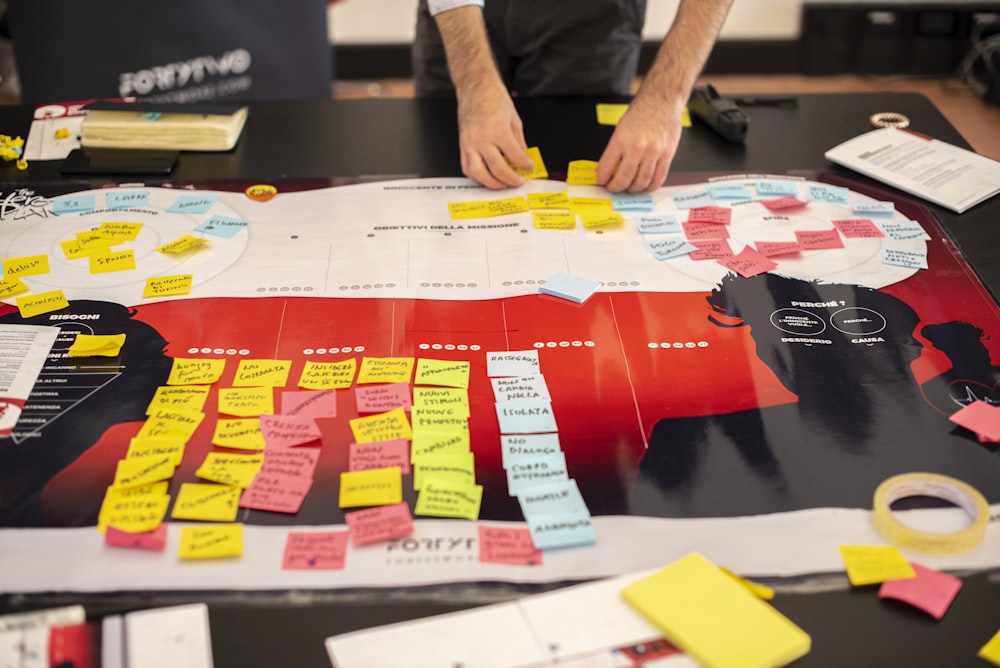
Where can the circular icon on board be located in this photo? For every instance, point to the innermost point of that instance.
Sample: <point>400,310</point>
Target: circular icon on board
<point>859,321</point>
<point>797,321</point>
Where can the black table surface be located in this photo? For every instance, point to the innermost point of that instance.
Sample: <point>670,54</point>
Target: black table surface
<point>391,138</point>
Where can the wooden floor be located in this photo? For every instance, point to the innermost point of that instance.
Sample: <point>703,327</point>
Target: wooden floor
<point>978,122</point>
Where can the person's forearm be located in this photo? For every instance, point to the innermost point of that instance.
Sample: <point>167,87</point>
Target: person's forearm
<point>467,49</point>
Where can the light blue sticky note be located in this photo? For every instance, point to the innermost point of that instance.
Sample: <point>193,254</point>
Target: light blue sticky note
<point>569,287</point>
<point>557,498</point>
<point>526,473</point>
<point>127,198</point>
<point>691,200</point>
<point>902,230</point>
<point>661,224</point>
<point>221,226</point>
<point>512,363</point>
<point>873,208</point>
<point>519,447</point>
<point>73,204</point>
<point>831,194</point>
<point>728,191</point>
<point>632,202</point>
<point>570,530</point>
<point>193,204</point>
<point>911,259</point>
<point>665,249</point>
<point>520,388</point>
<point>776,188</point>
<point>525,417</point>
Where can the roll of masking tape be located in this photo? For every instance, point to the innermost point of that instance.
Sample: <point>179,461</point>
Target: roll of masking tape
<point>889,119</point>
<point>944,487</point>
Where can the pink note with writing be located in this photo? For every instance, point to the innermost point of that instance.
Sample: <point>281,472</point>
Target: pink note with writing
<point>747,263</point>
<point>309,403</point>
<point>508,545</point>
<point>145,540</point>
<point>276,493</point>
<point>697,231</point>
<point>300,462</point>
<point>378,455</point>
<point>818,239</point>
<point>710,249</point>
<point>381,523</point>
<point>781,203</point>
<point>285,431</point>
<point>932,591</point>
<point>315,550</point>
<point>858,228</point>
<point>769,248</point>
<point>382,398</point>
<point>716,215</point>
<point>981,418</point>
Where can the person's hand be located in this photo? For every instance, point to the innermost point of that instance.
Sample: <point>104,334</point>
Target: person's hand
<point>642,146</point>
<point>491,138</point>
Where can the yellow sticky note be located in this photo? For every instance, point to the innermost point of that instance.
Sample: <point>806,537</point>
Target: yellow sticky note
<point>372,487</point>
<point>183,244</point>
<point>559,200</point>
<point>27,265</point>
<point>438,418</point>
<point>592,220</point>
<point>429,443</point>
<point>448,498</point>
<point>385,370</point>
<point>760,591</point>
<point>120,231</point>
<point>581,173</point>
<point>166,286</point>
<point>115,494</point>
<point>156,446</point>
<point>554,220</point>
<point>217,541</point>
<point>387,426</point>
<point>443,373</point>
<point>246,401</point>
<point>186,398</point>
<point>442,397</point>
<point>138,471</point>
<point>591,205</point>
<point>11,286</point>
<point>242,434</point>
<point>538,171</point>
<point>133,513</point>
<point>328,375</point>
<point>41,303</point>
<point>262,373</point>
<point>871,564</point>
<point>166,422</point>
<point>713,619</point>
<point>105,263</point>
<point>208,502</point>
<point>610,114</point>
<point>234,469</point>
<point>991,650</point>
<point>74,251</point>
<point>96,345</point>
<point>487,208</point>
<point>94,241</point>
<point>459,468</point>
<point>186,371</point>
<point>685,118</point>
<point>61,133</point>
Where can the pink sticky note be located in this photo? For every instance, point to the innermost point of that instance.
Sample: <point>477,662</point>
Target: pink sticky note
<point>715,215</point>
<point>747,263</point>
<point>508,545</point>
<point>285,431</point>
<point>710,249</point>
<point>309,403</point>
<point>818,239</point>
<point>382,398</point>
<point>276,493</point>
<point>981,418</point>
<point>780,203</point>
<point>315,550</point>
<point>374,525</point>
<point>364,456</point>
<point>932,591</point>
<point>145,540</point>
<point>770,248</point>
<point>698,231</point>
<point>858,228</point>
<point>300,462</point>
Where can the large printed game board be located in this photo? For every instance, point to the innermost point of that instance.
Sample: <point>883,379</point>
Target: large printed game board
<point>744,403</point>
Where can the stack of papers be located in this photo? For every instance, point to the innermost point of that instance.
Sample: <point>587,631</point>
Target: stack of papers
<point>151,126</point>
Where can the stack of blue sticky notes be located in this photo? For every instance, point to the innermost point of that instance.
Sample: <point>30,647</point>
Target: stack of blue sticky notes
<point>570,287</point>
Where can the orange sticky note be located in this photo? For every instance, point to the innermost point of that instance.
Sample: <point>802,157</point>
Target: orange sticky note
<point>213,503</point>
<point>216,541</point>
<point>44,302</point>
<point>508,545</point>
<point>374,525</point>
<point>871,564</point>
<point>371,487</point>
<point>195,371</point>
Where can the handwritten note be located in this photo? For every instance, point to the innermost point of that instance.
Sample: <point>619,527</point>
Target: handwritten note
<point>12,286</point>
<point>105,263</point>
<point>829,194</point>
<point>73,204</point>
<point>569,530</point>
<point>903,230</point>
<point>195,371</point>
<point>525,417</point>
<point>487,208</point>
<point>711,249</point>
<point>776,187</point>
<point>556,200</point>
<point>372,487</point>
<point>524,473</point>
<point>524,447</point>
<point>136,471</point>
<point>315,550</point>
<point>624,202</point>
<point>133,514</point>
<point>309,403</point>
<point>901,257</point>
<point>168,286</point>
<point>667,249</point>
<point>538,171</point>
<point>28,265</point>
<point>328,375</point>
<point>379,524</point>
<point>772,248</point>
<point>246,401</point>
<point>217,541</point>
<point>581,173</point>
<point>299,462</point>
<point>193,204</point>
<point>601,219</point>
<point>511,546</point>
<point>558,498</point>
<point>286,431</point>
<point>698,231</point>
<point>748,262</point>
<point>783,203</point>
<point>520,388</point>
<point>182,244</point>
<point>154,539</point>
<point>127,198</point>
<point>386,426</point>
<point>262,373</point>
<point>724,190</point>
<point>442,373</point>
<point>233,469</point>
<point>161,422</point>
<point>239,433</point>
<point>858,228</point>
<point>223,226</point>
<point>385,370</point>
<point>204,501</point>
<point>450,397</point>
<point>431,443</point>
<point>657,224</point>
<point>871,564</point>
<point>690,200</point>
<point>364,456</point>
<point>157,446</point>
<point>120,231</point>
<point>189,398</point>
<point>381,398</point>
<point>512,363</point>
<point>870,208</point>
<point>449,498</point>
<point>457,467</point>
<point>276,492</point>
<point>818,239</point>
<point>41,303</point>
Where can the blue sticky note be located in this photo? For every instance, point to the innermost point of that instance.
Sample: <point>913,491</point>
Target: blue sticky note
<point>127,198</point>
<point>194,204</point>
<point>666,249</point>
<point>729,191</point>
<point>221,226</point>
<point>831,194</point>
<point>570,287</point>
<point>542,470</point>
<point>873,208</point>
<point>519,447</point>
<point>691,200</point>
<point>568,530</point>
<point>632,202</point>
<point>776,188</point>
<point>525,417</point>
<point>73,204</point>
<point>557,498</point>
<point>662,224</point>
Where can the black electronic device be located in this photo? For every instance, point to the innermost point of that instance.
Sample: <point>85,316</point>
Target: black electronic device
<point>718,113</point>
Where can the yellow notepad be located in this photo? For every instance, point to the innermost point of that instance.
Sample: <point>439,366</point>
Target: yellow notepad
<point>713,619</point>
